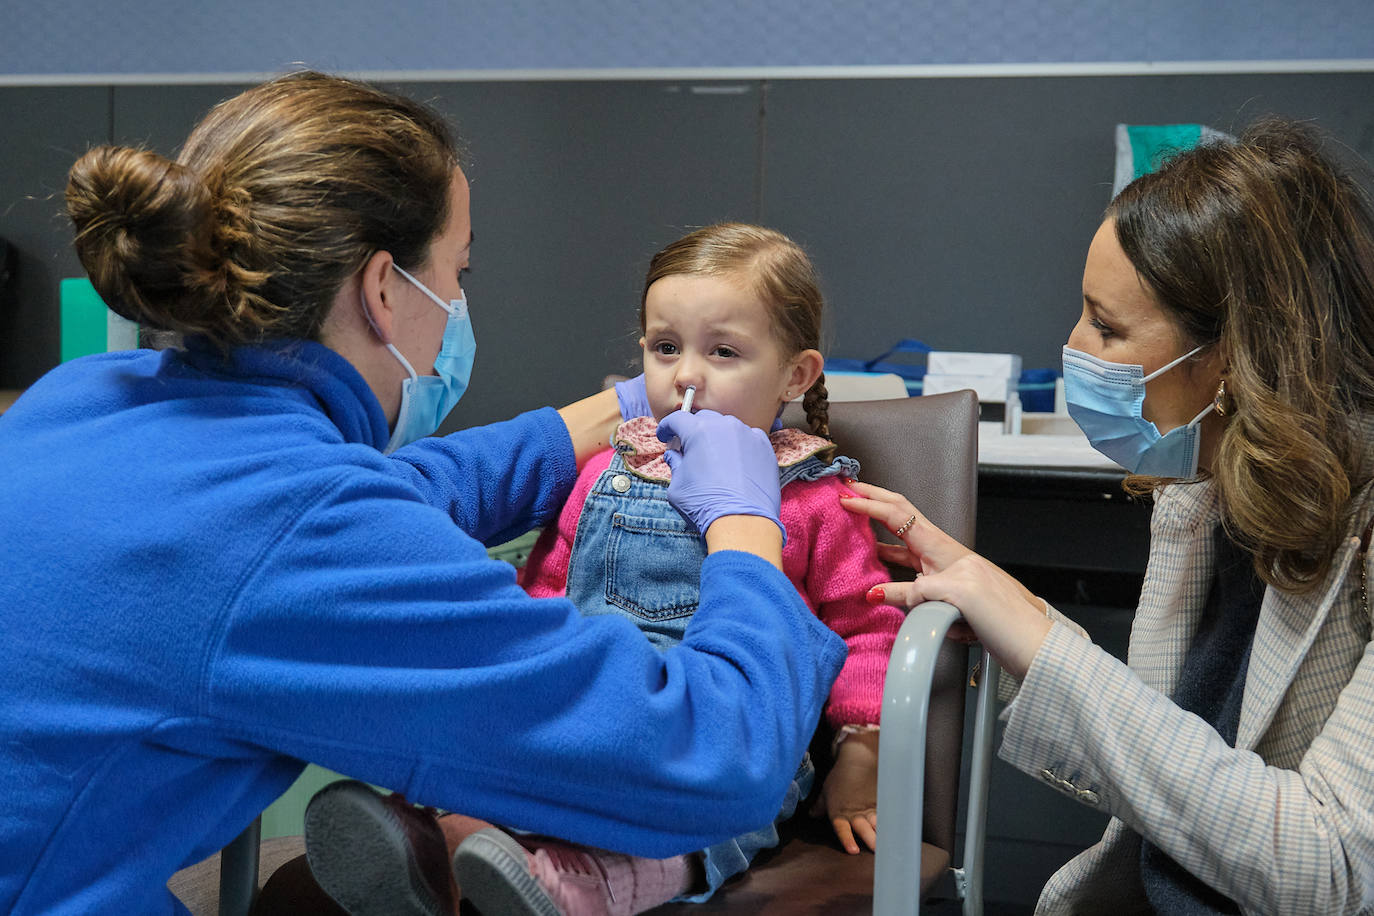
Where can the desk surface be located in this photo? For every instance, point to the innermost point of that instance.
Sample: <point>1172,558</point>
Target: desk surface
<point>1065,450</point>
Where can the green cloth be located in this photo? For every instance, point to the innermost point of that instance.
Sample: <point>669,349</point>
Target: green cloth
<point>1142,148</point>
<point>84,322</point>
<point>1151,144</point>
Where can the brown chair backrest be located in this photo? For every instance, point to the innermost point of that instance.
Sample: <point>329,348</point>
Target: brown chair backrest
<point>925,448</point>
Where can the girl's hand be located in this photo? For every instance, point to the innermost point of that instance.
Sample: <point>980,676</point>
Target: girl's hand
<point>1003,614</point>
<point>849,797</point>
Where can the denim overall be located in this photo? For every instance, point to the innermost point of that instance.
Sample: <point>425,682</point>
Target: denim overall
<point>637,556</point>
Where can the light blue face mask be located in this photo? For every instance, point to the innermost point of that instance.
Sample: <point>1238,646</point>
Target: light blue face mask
<point>427,399</point>
<point>1105,400</point>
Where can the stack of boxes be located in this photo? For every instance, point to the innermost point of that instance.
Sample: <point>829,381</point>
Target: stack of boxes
<point>993,376</point>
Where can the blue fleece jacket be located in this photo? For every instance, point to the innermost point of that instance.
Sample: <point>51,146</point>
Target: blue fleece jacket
<point>212,575</point>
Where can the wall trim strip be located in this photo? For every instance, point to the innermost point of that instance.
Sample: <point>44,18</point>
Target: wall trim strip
<point>920,71</point>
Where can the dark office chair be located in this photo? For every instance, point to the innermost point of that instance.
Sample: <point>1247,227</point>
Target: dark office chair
<point>927,449</point>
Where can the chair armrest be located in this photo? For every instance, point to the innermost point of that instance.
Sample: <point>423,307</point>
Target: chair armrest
<point>901,765</point>
<point>902,755</point>
<point>980,777</point>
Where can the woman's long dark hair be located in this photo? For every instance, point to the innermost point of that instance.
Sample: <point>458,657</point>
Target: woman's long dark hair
<point>1265,247</point>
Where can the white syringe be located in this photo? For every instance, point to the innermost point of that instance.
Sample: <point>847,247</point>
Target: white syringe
<point>687,397</point>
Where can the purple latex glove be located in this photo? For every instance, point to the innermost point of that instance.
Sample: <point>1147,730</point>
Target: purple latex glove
<point>633,398</point>
<point>720,467</point>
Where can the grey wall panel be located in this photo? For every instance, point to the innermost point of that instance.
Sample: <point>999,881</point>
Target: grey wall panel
<point>959,211</point>
<point>574,186</point>
<point>160,117</point>
<point>44,131</point>
<point>956,210</point>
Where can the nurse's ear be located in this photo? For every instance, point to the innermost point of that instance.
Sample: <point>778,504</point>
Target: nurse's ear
<point>379,299</point>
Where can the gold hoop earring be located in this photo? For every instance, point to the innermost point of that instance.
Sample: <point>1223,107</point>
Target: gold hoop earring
<point>1223,403</point>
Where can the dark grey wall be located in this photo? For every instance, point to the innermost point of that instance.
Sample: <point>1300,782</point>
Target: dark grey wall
<point>43,130</point>
<point>955,210</point>
<point>958,211</point>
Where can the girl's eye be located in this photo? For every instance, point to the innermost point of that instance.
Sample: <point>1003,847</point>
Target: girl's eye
<point>1101,328</point>
<point>664,348</point>
<point>725,352</point>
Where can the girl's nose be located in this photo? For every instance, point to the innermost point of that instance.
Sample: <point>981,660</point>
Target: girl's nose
<point>683,384</point>
<point>688,376</point>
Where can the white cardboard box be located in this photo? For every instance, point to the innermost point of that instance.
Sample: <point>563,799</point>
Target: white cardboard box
<point>999,365</point>
<point>991,389</point>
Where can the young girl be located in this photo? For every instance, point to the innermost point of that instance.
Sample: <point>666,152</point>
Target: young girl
<point>733,313</point>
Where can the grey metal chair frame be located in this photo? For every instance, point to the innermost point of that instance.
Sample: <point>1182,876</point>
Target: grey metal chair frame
<point>911,673</point>
<point>901,766</point>
<point>238,871</point>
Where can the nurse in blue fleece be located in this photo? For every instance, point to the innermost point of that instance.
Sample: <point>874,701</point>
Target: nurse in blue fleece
<point>230,558</point>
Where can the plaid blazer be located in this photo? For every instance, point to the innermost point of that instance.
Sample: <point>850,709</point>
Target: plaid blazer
<point>1281,823</point>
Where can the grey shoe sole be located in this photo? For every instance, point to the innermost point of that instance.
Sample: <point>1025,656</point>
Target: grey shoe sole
<point>493,874</point>
<point>360,857</point>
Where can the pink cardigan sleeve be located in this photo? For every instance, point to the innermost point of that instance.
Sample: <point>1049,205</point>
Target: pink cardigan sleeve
<point>832,558</point>
<point>545,573</point>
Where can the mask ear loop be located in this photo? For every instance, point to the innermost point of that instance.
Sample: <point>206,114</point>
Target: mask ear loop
<point>1205,411</point>
<point>405,363</point>
<point>424,289</point>
<point>1165,368</point>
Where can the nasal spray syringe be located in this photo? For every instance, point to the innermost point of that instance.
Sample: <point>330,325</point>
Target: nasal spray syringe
<point>687,397</point>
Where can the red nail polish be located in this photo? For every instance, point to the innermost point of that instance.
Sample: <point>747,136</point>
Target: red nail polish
<point>875,595</point>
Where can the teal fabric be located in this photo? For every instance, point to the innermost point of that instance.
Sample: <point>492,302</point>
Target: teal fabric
<point>1151,144</point>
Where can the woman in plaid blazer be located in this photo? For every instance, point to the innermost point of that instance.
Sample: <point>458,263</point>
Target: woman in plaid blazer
<point>1235,749</point>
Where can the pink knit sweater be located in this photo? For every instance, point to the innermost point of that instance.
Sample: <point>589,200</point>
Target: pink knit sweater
<point>830,556</point>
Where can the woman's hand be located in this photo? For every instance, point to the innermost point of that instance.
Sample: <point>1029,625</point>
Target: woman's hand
<point>1003,614</point>
<point>849,797</point>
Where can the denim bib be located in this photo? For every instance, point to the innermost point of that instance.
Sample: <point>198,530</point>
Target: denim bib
<point>637,556</point>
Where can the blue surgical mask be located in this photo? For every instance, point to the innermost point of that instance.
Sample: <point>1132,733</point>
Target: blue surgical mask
<point>1105,400</point>
<point>427,399</point>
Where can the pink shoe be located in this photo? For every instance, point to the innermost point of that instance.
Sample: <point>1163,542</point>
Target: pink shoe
<point>529,875</point>
<point>542,877</point>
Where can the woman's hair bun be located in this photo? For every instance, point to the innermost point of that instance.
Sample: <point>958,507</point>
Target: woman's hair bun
<point>144,232</point>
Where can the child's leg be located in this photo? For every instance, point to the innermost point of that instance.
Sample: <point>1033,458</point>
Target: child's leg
<point>726,859</point>
<point>541,876</point>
